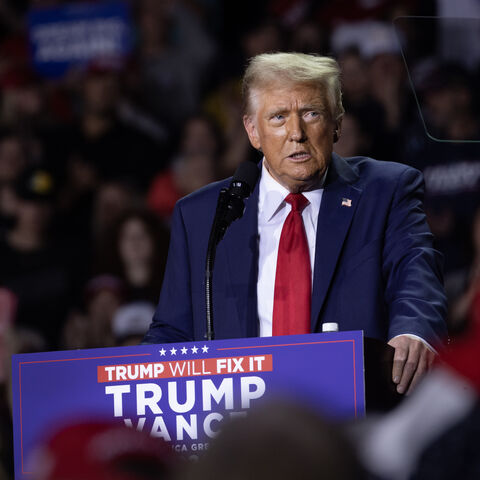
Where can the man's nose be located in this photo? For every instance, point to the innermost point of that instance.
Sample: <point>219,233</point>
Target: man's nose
<point>296,130</point>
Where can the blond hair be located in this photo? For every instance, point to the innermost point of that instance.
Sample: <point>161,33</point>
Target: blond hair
<point>295,68</point>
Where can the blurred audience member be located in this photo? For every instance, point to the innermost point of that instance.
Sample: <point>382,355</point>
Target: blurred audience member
<point>137,254</point>
<point>224,105</point>
<point>80,188</point>
<point>387,82</point>
<point>36,110</point>
<point>101,450</point>
<point>8,312</point>
<point>353,140</point>
<point>13,157</point>
<point>309,37</point>
<point>13,160</point>
<point>174,51</point>
<point>448,233</point>
<point>467,285</point>
<point>131,322</point>
<point>374,75</point>
<point>8,306</point>
<point>92,326</point>
<point>445,92</point>
<point>358,99</point>
<point>33,266</point>
<point>116,149</point>
<point>112,200</point>
<point>23,99</point>
<point>355,81</point>
<point>278,441</point>
<point>194,166</point>
<point>262,36</point>
<point>463,125</point>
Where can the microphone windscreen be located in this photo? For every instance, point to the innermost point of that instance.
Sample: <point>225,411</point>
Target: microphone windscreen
<point>247,172</point>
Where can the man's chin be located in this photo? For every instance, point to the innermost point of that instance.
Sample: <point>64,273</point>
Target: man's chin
<point>304,184</point>
<point>304,181</point>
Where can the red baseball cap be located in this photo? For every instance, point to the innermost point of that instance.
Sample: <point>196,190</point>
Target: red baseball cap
<point>98,450</point>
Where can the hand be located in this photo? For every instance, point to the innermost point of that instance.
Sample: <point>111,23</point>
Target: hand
<point>412,359</point>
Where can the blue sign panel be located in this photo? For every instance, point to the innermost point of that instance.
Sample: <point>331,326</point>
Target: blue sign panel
<point>182,392</point>
<point>77,33</point>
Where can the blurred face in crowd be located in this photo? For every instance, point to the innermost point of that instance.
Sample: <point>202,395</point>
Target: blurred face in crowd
<point>111,202</point>
<point>265,38</point>
<point>194,171</point>
<point>12,159</point>
<point>29,100</point>
<point>292,125</point>
<point>352,141</point>
<point>135,242</point>
<point>101,93</point>
<point>199,137</point>
<point>355,82</point>
<point>32,216</point>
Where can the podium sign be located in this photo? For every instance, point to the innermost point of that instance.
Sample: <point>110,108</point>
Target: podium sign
<point>182,392</point>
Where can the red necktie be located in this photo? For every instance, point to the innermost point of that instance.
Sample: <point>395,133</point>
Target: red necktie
<point>293,281</point>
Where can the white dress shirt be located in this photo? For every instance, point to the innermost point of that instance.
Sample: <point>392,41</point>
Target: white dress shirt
<point>272,212</point>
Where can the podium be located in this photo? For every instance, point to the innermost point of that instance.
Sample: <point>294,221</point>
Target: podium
<point>380,392</point>
<point>183,391</point>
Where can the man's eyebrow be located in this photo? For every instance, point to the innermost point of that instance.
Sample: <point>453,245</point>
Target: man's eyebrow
<point>276,111</point>
<point>320,107</point>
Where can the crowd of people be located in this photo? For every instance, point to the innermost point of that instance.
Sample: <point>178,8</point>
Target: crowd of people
<point>91,164</point>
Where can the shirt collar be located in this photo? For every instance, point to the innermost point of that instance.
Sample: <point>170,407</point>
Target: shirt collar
<point>271,195</point>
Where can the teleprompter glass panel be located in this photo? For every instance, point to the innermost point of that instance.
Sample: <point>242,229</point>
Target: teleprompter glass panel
<point>442,58</point>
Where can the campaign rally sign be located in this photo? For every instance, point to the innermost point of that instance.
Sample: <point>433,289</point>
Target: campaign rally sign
<point>182,392</point>
<point>77,33</point>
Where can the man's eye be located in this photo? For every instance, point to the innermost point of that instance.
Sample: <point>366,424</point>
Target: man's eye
<point>312,114</point>
<point>278,116</point>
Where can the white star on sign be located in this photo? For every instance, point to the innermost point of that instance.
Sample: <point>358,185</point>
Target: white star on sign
<point>162,352</point>
<point>194,349</point>
<point>173,351</point>
<point>204,349</point>
<point>184,350</point>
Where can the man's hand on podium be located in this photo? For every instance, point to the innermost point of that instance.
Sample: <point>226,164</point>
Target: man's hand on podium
<point>412,359</point>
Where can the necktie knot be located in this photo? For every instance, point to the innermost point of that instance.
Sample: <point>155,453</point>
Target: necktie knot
<point>297,201</point>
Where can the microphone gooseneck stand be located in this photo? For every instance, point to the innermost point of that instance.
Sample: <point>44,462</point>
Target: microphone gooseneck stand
<point>230,207</point>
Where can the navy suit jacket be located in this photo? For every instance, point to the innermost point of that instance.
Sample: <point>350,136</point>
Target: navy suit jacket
<point>375,267</point>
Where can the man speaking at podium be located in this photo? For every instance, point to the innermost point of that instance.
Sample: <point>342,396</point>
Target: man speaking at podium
<point>323,238</point>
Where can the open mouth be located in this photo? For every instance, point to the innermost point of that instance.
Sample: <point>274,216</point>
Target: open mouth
<point>299,156</point>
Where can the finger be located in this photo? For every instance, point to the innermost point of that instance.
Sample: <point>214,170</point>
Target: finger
<point>420,372</point>
<point>408,372</point>
<point>427,357</point>
<point>410,367</point>
<point>431,356</point>
<point>399,359</point>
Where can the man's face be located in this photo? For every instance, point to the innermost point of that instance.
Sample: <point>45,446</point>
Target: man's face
<point>293,127</point>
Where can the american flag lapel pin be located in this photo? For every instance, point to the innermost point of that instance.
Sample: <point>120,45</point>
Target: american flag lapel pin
<point>346,202</point>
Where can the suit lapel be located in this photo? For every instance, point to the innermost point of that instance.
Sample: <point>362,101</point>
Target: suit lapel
<point>339,202</point>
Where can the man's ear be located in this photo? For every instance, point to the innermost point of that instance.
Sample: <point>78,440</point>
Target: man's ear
<point>252,132</point>
<point>337,131</point>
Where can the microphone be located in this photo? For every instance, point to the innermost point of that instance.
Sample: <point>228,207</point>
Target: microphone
<point>230,207</point>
